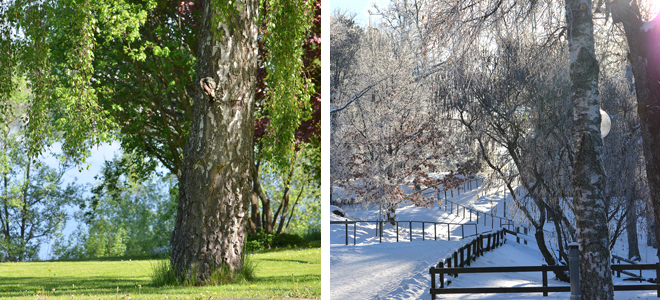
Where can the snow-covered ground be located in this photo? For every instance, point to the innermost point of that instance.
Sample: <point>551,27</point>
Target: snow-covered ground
<point>400,270</point>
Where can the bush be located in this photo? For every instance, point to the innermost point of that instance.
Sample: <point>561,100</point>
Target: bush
<point>289,241</point>
<point>261,241</point>
<point>312,235</point>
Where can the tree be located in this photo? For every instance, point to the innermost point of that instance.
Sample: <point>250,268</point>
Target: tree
<point>307,136</point>
<point>57,52</point>
<point>127,215</point>
<point>394,135</point>
<point>643,40</point>
<point>32,197</point>
<point>588,171</point>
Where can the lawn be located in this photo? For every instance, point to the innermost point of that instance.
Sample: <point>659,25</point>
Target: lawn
<point>280,274</point>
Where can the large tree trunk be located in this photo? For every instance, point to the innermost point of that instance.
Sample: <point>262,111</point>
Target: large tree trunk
<point>631,230</point>
<point>588,172</point>
<point>216,180</point>
<point>644,56</point>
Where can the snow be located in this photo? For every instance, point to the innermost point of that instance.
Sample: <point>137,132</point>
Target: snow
<point>647,26</point>
<point>400,270</point>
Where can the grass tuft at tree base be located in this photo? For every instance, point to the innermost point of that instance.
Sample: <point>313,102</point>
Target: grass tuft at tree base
<point>162,274</point>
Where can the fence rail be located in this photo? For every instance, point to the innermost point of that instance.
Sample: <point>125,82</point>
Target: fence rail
<point>633,275</point>
<point>458,268</point>
<point>379,228</point>
<point>545,289</point>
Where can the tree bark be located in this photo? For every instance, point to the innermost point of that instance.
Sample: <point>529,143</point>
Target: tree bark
<point>643,43</point>
<point>631,230</point>
<point>216,177</point>
<point>588,172</point>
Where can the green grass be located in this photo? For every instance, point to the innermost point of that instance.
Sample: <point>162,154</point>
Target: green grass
<point>280,274</point>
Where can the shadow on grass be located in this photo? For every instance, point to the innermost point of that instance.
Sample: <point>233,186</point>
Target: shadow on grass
<point>17,286</point>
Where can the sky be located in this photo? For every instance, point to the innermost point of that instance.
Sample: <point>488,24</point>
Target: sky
<point>360,7</point>
<point>99,156</point>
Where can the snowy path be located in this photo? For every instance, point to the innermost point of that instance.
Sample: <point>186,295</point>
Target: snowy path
<point>371,271</point>
<point>391,270</point>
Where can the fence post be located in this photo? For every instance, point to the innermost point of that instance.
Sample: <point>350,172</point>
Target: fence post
<point>380,236</point>
<point>517,237</point>
<point>462,257</point>
<point>441,265</point>
<point>488,245</point>
<point>448,232</point>
<point>448,260</point>
<point>435,231</point>
<point>423,231</point>
<point>463,230</point>
<point>432,282</point>
<point>346,233</point>
<point>545,282</point>
<point>574,271</point>
<point>354,234</point>
<point>397,231</point>
<point>657,275</point>
<point>469,254</point>
<point>410,231</point>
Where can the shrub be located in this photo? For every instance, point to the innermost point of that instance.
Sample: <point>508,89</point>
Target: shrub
<point>285,240</point>
<point>261,241</point>
<point>312,235</point>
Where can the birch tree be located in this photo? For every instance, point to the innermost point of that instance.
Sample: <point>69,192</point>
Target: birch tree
<point>56,49</point>
<point>588,171</point>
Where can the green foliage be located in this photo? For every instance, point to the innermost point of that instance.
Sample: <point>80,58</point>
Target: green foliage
<point>54,43</point>
<point>32,196</point>
<point>263,241</point>
<point>127,216</point>
<point>144,84</point>
<point>33,201</point>
<point>305,189</point>
<point>288,88</point>
<point>312,235</point>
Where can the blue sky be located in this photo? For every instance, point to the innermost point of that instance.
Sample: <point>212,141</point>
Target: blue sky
<point>359,7</point>
<point>99,156</point>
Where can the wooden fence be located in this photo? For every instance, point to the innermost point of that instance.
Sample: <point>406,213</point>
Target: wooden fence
<point>457,268</point>
<point>379,228</point>
<point>473,249</point>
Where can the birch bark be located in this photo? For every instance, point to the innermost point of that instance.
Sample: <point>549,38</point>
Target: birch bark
<point>216,183</point>
<point>588,172</point>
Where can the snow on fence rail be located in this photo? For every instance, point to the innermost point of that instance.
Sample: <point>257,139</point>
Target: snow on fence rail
<point>472,250</point>
<point>634,276</point>
<point>508,223</point>
<point>478,250</point>
<point>468,186</point>
<point>379,228</point>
